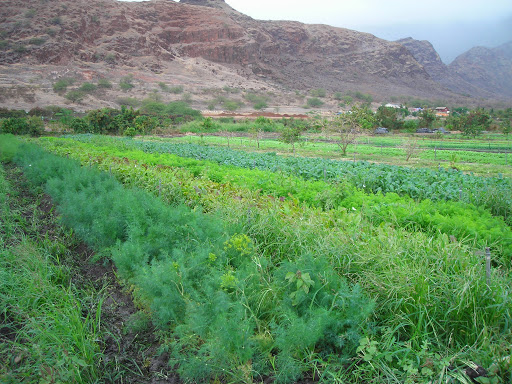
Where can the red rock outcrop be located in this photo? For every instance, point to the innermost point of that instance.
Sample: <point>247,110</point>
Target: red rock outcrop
<point>291,54</point>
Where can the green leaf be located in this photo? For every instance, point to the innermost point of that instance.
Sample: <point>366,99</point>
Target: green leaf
<point>290,276</point>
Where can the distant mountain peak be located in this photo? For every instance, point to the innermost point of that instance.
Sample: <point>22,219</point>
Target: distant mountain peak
<point>480,72</point>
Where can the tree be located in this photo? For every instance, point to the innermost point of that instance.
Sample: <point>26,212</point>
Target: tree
<point>345,134</point>
<point>291,135</point>
<point>79,125</point>
<point>75,96</point>
<point>411,148</point>
<point>101,120</point>
<point>427,118</point>
<point>390,117</point>
<point>314,102</point>
<point>505,127</point>
<point>145,124</point>
<point>475,122</point>
<point>349,125</point>
<point>256,130</point>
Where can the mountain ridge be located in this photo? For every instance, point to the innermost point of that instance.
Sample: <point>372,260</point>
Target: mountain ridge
<point>204,42</point>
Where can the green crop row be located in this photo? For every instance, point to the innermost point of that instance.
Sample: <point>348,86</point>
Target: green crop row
<point>494,194</point>
<point>447,142</point>
<point>462,220</point>
<point>49,329</point>
<point>434,311</point>
<point>206,283</point>
<point>365,149</point>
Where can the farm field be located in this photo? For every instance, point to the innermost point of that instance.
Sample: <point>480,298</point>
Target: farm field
<point>486,157</point>
<point>254,266</point>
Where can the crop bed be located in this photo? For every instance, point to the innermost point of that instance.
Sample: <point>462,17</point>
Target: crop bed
<point>248,285</point>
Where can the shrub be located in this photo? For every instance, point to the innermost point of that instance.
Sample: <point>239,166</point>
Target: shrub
<point>101,120</point>
<point>145,124</point>
<point>177,89</point>
<point>110,58</point>
<point>20,48</point>
<point>56,20</point>
<point>410,125</point>
<point>88,87</point>
<point>6,113</point>
<point>209,124</point>
<point>164,87</point>
<point>228,89</point>
<point>104,83</point>
<point>152,107</point>
<point>37,41</point>
<point>361,96</point>
<point>187,98</point>
<point>62,84</point>
<point>37,111</point>
<point>79,125</point>
<point>181,111</point>
<point>128,101</point>
<point>130,132</point>
<point>231,105</point>
<point>126,83</point>
<point>260,105</point>
<point>35,126</point>
<point>14,125</point>
<point>75,96</point>
<point>320,92</point>
<point>30,13</point>
<point>51,32</point>
<point>314,102</point>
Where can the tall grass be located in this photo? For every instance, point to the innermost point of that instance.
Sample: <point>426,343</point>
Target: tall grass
<point>45,336</point>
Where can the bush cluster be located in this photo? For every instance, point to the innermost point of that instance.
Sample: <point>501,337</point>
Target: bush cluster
<point>33,126</point>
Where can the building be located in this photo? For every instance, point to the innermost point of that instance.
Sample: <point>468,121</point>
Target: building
<point>442,112</point>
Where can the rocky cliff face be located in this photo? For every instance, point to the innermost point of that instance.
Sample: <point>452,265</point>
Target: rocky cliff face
<point>488,69</point>
<point>480,72</point>
<point>426,55</point>
<point>149,34</point>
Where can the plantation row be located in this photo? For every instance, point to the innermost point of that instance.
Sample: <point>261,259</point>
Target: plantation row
<point>49,329</point>
<point>494,194</point>
<point>459,219</point>
<point>494,143</point>
<point>369,152</point>
<point>262,288</point>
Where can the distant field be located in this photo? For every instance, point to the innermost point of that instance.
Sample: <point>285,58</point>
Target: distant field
<point>483,156</point>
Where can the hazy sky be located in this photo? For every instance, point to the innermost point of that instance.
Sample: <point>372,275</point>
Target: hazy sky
<point>452,26</point>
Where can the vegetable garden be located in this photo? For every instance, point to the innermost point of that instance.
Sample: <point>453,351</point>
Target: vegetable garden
<point>255,266</point>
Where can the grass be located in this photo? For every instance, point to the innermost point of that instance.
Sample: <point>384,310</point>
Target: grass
<point>49,328</point>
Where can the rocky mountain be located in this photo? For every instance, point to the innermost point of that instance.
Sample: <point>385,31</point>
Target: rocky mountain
<point>201,44</point>
<point>479,72</point>
<point>490,69</point>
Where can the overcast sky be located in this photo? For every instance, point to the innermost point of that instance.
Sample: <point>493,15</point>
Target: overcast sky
<point>452,26</point>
